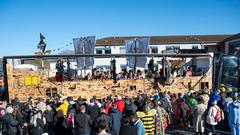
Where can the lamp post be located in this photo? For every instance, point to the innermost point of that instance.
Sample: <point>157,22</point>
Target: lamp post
<point>237,53</point>
<point>84,58</point>
<point>135,58</point>
<point>113,70</point>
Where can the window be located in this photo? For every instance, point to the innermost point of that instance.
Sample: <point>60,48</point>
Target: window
<point>123,66</point>
<point>51,92</point>
<point>194,47</point>
<point>154,49</point>
<point>107,50</point>
<point>122,50</point>
<point>133,87</point>
<point>206,48</point>
<point>103,67</point>
<point>99,50</point>
<point>204,85</point>
<point>233,46</point>
<point>169,48</point>
<point>175,47</point>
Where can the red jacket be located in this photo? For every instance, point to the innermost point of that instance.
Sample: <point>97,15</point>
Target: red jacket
<point>120,105</point>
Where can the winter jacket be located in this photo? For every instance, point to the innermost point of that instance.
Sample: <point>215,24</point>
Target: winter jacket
<point>234,113</point>
<point>93,111</point>
<point>63,107</point>
<point>9,124</point>
<point>83,123</point>
<point>120,105</point>
<point>39,129</point>
<point>127,130</point>
<point>116,117</point>
<point>139,127</point>
<point>49,115</point>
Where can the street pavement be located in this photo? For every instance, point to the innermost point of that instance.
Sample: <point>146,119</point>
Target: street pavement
<point>177,131</point>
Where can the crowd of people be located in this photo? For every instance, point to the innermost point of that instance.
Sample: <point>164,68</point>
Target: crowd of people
<point>130,74</point>
<point>146,114</point>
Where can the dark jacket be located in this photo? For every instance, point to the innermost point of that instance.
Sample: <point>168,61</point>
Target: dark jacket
<point>116,117</point>
<point>9,124</point>
<point>93,111</point>
<point>60,126</point>
<point>127,130</point>
<point>39,129</point>
<point>83,123</point>
<point>49,115</point>
<point>21,118</point>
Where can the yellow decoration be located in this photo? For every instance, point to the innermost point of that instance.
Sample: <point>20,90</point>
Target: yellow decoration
<point>28,81</point>
<point>35,80</point>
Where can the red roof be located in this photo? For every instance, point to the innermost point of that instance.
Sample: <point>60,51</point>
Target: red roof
<point>158,40</point>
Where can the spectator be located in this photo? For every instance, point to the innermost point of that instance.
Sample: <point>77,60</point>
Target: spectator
<point>137,123</point>
<point>103,116</point>
<point>214,116</point>
<point>49,115</point>
<point>120,104</point>
<point>116,117</point>
<point>183,113</point>
<point>198,112</point>
<point>63,107</point>
<point>60,125</point>
<point>10,122</point>
<point>83,122</point>
<point>147,117</point>
<point>129,106</point>
<point>160,122</point>
<point>234,115</point>
<point>126,128</point>
<point>102,124</point>
<point>41,105</point>
<point>93,110</point>
<point>38,122</point>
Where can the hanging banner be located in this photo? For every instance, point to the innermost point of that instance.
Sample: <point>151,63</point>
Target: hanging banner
<point>84,45</point>
<point>139,45</point>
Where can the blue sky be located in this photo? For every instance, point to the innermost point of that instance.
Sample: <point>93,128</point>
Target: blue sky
<point>21,21</point>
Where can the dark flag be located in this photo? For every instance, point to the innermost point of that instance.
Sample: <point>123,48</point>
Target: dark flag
<point>42,44</point>
<point>139,45</point>
<point>84,45</point>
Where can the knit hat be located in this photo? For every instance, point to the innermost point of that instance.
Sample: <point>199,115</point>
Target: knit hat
<point>119,97</point>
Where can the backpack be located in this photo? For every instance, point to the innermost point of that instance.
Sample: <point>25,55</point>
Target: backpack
<point>219,115</point>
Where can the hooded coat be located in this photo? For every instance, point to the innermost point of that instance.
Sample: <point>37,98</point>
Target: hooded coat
<point>234,117</point>
<point>116,117</point>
